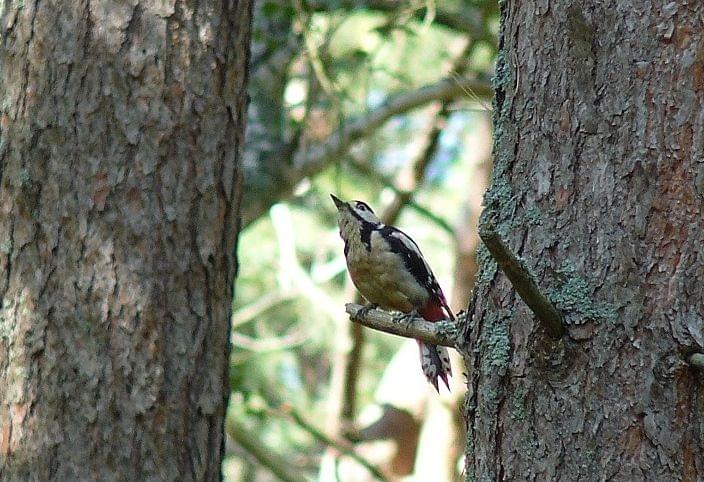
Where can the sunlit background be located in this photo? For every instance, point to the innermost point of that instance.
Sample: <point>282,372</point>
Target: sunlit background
<point>314,396</point>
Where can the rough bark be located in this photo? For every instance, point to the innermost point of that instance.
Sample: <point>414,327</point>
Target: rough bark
<point>120,130</point>
<point>598,185</point>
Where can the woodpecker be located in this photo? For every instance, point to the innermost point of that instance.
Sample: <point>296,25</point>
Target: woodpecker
<point>389,270</point>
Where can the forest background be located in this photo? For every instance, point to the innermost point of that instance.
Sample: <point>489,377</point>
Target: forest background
<point>132,206</point>
<point>386,102</point>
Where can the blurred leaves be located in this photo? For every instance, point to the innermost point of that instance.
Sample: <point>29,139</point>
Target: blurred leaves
<point>345,94</point>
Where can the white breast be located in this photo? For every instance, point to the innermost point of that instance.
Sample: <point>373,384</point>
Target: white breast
<point>381,276</point>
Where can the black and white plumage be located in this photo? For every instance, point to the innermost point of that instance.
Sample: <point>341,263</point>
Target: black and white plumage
<point>389,270</point>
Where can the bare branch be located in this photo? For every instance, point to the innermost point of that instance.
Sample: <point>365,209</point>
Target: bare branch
<point>522,282</point>
<point>438,333</point>
<point>285,342</point>
<point>404,196</point>
<point>308,163</point>
<point>468,20</point>
<point>278,465</point>
<point>253,310</point>
<point>341,446</point>
<point>291,273</point>
<point>443,90</point>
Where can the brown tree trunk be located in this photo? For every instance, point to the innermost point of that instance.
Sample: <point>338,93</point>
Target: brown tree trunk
<point>598,185</point>
<point>120,130</point>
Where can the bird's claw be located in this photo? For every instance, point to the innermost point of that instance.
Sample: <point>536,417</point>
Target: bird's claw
<point>364,311</point>
<point>406,318</point>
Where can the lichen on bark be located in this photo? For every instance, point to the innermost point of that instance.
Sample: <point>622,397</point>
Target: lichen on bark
<point>598,136</point>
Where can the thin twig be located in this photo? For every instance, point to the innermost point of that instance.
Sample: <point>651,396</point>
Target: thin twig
<point>258,345</point>
<point>438,333</point>
<point>522,282</point>
<point>466,19</point>
<point>313,53</point>
<point>366,169</point>
<point>697,360</point>
<point>340,141</point>
<point>251,311</point>
<point>339,445</point>
<point>292,276</point>
<point>308,162</point>
<point>470,93</point>
<point>276,463</point>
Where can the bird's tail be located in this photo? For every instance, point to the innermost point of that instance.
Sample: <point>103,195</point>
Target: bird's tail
<point>435,361</point>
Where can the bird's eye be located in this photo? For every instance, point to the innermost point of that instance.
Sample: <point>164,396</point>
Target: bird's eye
<point>361,207</point>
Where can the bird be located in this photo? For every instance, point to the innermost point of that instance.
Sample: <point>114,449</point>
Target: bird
<point>390,272</point>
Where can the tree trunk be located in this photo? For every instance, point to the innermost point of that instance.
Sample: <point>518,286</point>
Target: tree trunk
<point>598,186</point>
<point>120,130</point>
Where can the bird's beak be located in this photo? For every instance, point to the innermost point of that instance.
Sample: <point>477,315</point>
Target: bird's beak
<point>339,204</point>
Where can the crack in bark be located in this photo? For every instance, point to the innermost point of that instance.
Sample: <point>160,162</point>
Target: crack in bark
<point>23,98</point>
<point>89,30</point>
<point>8,268</point>
<point>130,29</point>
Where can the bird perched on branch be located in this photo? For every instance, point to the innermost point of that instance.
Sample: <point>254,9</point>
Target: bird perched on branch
<point>389,270</point>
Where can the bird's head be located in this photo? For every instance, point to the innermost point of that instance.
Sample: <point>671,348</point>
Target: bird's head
<point>354,213</point>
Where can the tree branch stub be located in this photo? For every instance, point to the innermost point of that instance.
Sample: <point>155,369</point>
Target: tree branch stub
<point>523,282</point>
<point>696,360</point>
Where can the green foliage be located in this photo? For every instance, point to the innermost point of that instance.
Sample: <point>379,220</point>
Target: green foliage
<point>292,284</point>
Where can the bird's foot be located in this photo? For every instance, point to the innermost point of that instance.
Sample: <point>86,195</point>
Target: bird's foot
<point>364,311</point>
<point>406,318</point>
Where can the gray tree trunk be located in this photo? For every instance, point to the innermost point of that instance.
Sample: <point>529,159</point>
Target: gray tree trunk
<point>598,185</point>
<point>121,125</point>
